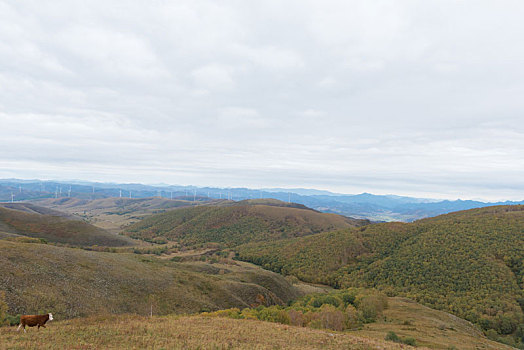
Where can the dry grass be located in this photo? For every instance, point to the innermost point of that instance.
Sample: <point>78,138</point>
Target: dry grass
<point>113,213</point>
<point>58,229</point>
<point>76,282</point>
<point>134,332</point>
<point>431,328</point>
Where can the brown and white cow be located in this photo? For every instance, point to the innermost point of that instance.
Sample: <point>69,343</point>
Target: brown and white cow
<point>34,320</point>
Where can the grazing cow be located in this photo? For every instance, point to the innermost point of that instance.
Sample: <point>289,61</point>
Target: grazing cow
<point>34,320</point>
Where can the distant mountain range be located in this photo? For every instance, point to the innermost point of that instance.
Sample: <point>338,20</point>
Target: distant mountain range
<point>365,205</point>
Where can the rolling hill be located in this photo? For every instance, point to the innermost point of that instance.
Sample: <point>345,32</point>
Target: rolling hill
<point>469,263</point>
<point>238,223</point>
<point>33,221</point>
<point>113,213</point>
<point>364,205</point>
<point>76,282</point>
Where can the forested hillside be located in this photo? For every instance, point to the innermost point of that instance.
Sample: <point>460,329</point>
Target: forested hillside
<point>469,263</point>
<point>237,224</point>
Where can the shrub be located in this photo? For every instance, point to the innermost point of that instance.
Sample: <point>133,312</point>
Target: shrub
<point>492,334</point>
<point>351,317</point>
<point>348,298</point>
<point>320,300</point>
<point>392,336</point>
<point>296,318</point>
<point>249,314</point>
<point>409,341</point>
<point>273,314</point>
<point>369,310</point>
<point>370,306</point>
<point>331,318</point>
<point>13,320</point>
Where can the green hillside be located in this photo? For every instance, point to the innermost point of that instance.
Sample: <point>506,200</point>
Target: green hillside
<point>54,228</point>
<point>37,278</point>
<point>469,263</point>
<point>237,224</point>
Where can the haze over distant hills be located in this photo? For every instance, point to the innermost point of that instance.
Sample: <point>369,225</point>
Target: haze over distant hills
<point>364,205</point>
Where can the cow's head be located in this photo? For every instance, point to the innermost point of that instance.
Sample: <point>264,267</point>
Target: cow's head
<point>50,316</point>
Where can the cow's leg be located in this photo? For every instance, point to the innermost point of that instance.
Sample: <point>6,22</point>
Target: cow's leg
<point>18,329</point>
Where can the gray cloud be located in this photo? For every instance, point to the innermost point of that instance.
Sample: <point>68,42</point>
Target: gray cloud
<point>410,97</point>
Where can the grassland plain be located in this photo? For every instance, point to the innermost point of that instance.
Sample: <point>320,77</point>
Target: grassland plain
<point>75,282</point>
<point>181,332</point>
<point>469,263</point>
<point>237,224</point>
<point>55,228</point>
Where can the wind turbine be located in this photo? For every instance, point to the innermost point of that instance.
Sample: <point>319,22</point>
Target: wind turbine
<point>120,193</point>
<point>12,197</point>
<point>69,192</point>
<point>129,194</point>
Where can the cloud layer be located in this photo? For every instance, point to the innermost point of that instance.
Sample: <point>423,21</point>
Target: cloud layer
<point>405,97</point>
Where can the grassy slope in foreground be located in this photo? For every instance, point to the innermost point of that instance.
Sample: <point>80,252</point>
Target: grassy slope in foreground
<point>39,278</point>
<point>469,263</point>
<point>237,224</point>
<point>135,332</point>
<point>57,229</point>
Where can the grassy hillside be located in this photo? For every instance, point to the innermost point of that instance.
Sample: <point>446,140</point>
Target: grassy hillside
<point>430,328</point>
<point>39,278</point>
<point>370,313</point>
<point>36,209</point>
<point>172,332</point>
<point>469,263</point>
<point>114,213</point>
<point>237,224</point>
<point>58,229</point>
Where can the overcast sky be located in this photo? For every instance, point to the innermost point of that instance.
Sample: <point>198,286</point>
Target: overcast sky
<point>422,98</point>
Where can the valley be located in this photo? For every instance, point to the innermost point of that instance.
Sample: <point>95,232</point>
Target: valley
<point>177,257</point>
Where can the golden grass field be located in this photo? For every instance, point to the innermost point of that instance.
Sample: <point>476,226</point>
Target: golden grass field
<point>171,332</point>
